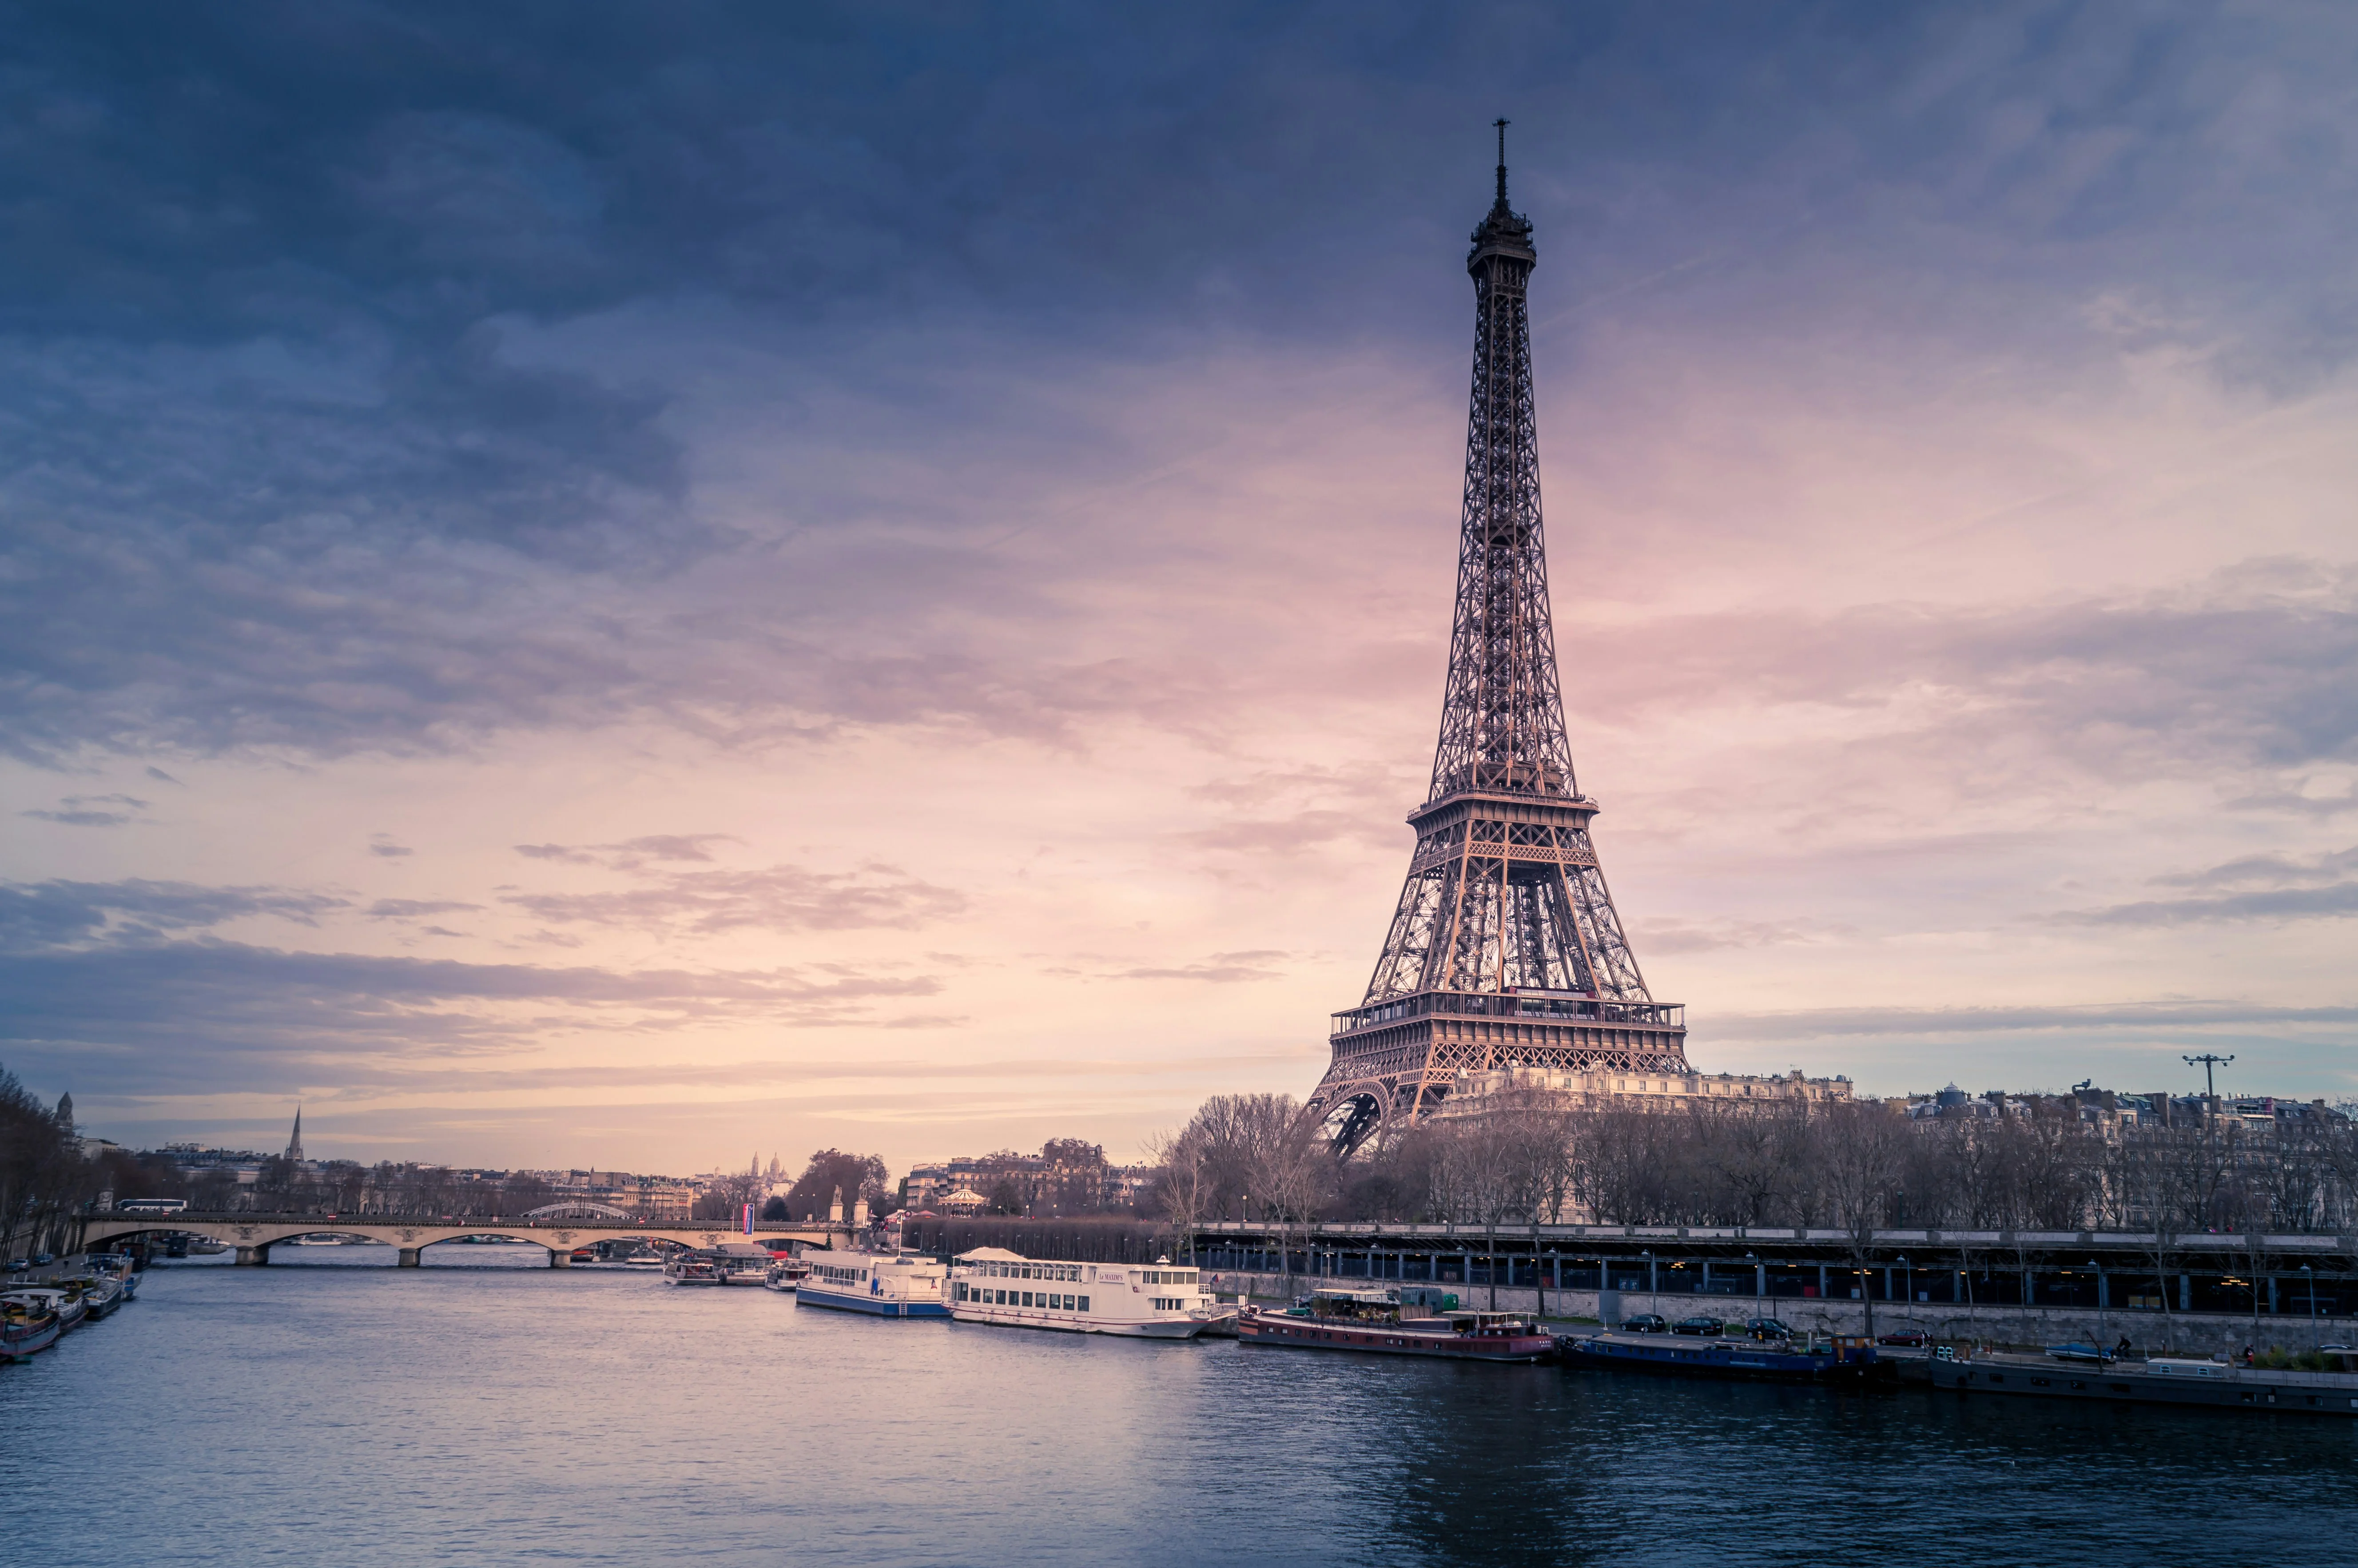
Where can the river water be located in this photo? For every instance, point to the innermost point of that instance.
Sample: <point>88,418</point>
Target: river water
<point>480,1411</point>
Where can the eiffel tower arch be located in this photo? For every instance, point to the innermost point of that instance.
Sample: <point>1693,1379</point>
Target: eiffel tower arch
<point>1505,949</point>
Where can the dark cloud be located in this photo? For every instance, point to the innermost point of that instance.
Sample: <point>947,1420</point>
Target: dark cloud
<point>2269,871</point>
<point>631,853</point>
<point>385,848</point>
<point>2253,668</point>
<point>2250,888</point>
<point>292,465</point>
<point>214,1016</point>
<point>85,811</point>
<point>415,909</point>
<point>2338,901</point>
<point>40,916</point>
<point>780,898</point>
<point>2158,1018</point>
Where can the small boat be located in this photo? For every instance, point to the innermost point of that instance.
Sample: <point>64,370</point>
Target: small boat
<point>742,1262</point>
<point>24,1330</point>
<point>1845,1358</point>
<point>882,1284</point>
<point>65,1306</point>
<point>691,1267</point>
<point>1131,1301</point>
<point>99,1293</point>
<point>119,1266</point>
<point>1375,1323</point>
<point>787,1274</point>
<point>644,1258</point>
<point>2182,1381</point>
<point>730,1263</point>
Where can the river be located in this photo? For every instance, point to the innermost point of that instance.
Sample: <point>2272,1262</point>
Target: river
<point>480,1411</point>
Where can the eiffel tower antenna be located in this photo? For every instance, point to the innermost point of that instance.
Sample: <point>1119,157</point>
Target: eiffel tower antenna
<point>1505,949</point>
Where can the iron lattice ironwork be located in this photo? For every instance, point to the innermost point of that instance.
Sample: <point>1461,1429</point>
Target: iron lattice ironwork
<point>1505,949</point>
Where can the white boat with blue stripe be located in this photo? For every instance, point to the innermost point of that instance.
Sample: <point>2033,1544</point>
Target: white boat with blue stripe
<point>882,1284</point>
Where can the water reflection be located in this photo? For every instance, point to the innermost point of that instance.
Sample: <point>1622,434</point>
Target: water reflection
<point>488,1408</point>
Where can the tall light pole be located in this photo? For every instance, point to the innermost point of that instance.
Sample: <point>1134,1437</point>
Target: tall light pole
<point>2310,1274</point>
<point>2206,1062</point>
<point>2101,1331</point>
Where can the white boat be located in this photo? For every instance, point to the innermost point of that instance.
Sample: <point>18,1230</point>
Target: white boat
<point>1138,1301</point>
<point>644,1258</point>
<point>787,1274</point>
<point>883,1285</point>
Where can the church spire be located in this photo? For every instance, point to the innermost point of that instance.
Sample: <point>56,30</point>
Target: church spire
<point>295,1144</point>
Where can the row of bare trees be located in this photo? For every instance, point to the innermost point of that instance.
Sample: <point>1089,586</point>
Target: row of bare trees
<point>1855,1167</point>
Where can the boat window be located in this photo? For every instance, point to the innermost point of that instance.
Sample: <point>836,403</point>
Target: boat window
<point>1084,1306</point>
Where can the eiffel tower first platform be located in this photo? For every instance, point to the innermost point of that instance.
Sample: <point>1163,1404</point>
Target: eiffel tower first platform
<point>1505,950</point>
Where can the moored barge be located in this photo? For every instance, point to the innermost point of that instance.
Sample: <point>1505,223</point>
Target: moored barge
<point>1371,1322</point>
<point>2183,1382</point>
<point>1844,1360</point>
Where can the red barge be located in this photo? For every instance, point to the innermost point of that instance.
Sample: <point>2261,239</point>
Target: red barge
<point>1370,1322</point>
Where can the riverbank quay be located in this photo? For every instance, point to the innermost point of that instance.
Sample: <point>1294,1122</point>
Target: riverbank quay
<point>2202,1293</point>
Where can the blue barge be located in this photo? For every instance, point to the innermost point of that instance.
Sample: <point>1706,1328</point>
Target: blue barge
<point>1846,1359</point>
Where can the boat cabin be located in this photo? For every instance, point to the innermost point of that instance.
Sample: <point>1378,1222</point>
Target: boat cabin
<point>1492,1324</point>
<point>1356,1306</point>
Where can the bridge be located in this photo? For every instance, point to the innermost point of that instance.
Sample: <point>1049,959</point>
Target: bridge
<point>254,1234</point>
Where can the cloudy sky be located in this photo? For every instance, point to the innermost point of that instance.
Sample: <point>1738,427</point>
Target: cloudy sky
<point>636,585</point>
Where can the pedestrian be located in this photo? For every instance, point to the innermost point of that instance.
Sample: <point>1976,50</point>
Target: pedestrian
<point>2248,1355</point>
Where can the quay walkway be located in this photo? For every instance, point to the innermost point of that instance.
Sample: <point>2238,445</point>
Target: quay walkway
<point>2252,1276</point>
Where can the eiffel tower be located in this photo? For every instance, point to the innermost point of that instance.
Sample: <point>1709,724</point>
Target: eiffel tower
<point>1505,950</point>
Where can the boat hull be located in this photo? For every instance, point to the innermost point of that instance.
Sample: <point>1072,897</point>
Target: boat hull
<point>1747,1362</point>
<point>1073,1322</point>
<point>19,1347</point>
<point>874,1306</point>
<point>2242,1389</point>
<point>1391,1339</point>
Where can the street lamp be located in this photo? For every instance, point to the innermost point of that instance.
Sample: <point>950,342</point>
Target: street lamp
<point>2310,1274</point>
<point>1908,1273</point>
<point>1754,1258</point>
<point>2102,1332</point>
<point>1653,1282</point>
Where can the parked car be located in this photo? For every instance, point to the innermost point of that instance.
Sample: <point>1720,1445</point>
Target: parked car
<point>1708,1327</point>
<point>1644,1323</point>
<point>1912,1338</point>
<point>1767,1328</point>
<point>18,1265</point>
<point>43,1259</point>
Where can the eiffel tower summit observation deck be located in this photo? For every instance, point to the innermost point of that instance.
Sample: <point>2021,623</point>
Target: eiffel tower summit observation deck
<point>1505,950</point>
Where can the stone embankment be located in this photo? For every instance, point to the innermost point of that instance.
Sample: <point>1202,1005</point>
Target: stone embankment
<point>2200,1334</point>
